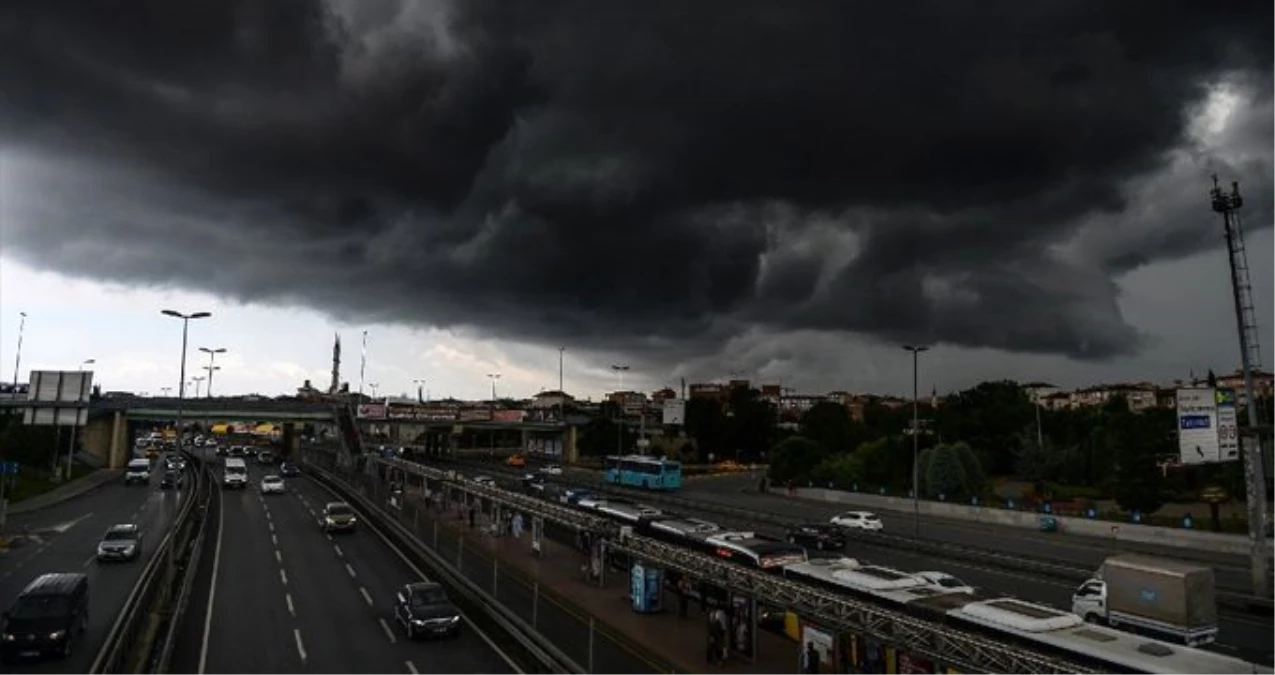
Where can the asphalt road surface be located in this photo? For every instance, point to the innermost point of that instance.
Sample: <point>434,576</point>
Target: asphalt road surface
<point>64,538</point>
<point>1242,636</point>
<point>284,597</point>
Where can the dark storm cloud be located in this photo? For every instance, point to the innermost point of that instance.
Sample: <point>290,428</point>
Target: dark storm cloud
<point>655,175</point>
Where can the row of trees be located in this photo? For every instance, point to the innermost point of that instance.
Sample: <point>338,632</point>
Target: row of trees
<point>992,429</point>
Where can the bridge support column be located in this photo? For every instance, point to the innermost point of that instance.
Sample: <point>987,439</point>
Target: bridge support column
<point>570,454</point>
<point>525,443</point>
<point>291,440</point>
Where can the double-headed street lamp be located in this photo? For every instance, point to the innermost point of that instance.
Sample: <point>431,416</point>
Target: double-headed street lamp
<point>181,383</point>
<point>916,439</point>
<point>420,389</point>
<point>198,379</point>
<point>212,365</point>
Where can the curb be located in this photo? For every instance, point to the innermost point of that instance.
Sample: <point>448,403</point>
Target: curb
<point>75,488</point>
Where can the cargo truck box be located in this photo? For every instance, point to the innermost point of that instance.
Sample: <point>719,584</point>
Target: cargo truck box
<point>1169,591</point>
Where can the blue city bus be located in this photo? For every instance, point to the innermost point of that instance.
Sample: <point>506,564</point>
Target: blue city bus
<point>643,472</point>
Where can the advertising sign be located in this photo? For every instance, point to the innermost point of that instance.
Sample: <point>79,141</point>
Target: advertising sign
<point>479,415</point>
<point>1197,426</point>
<point>675,411</point>
<point>58,397</point>
<point>1228,427</point>
<point>372,411</point>
<point>508,415</point>
<point>646,588</point>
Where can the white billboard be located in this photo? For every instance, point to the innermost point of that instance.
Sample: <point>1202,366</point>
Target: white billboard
<point>1228,427</point>
<point>58,397</point>
<point>1197,426</point>
<point>675,411</point>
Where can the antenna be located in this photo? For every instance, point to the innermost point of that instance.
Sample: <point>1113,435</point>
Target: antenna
<point>1228,205</point>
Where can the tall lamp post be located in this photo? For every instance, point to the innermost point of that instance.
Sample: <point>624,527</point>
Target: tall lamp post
<point>916,439</point>
<point>70,455</point>
<point>375,389</point>
<point>420,389</point>
<point>17,361</point>
<point>212,365</point>
<point>198,380</point>
<point>493,377</point>
<point>562,393</point>
<point>181,383</point>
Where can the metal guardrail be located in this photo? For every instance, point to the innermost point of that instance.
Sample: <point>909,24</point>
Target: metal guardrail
<point>1237,601</point>
<point>133,629</point>
<point>189,569</point>
<point>532,644</point>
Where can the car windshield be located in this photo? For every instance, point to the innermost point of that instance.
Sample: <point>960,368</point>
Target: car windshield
<point>428,596</point>
<point>41,607</point>
<point>118,535</point>
<point>272,479</point>
<point>339,510</point>
<point>949,582</point>
<point>870,516</point>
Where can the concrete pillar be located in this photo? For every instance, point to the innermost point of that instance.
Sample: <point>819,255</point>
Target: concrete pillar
<point>570,454</point>
<point>525,444</point>
<point>291,445</point>
<point>119,441</point>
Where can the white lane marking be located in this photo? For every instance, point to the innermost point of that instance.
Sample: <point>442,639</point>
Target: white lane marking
<point>367,597</point>
<point>411,667</point>
<point>291,610</point>
<point>513,665</point>
<point>328,535</point>
<point>389,634</point>
<point>212,591</point>
<point>296,632</point>
<point>283,576</point>
<point>350,570</point>
<point>313,513</point>
<point>278,556</point>
<point>274,539</point>
<point>271,524</point>
<point>339,552</point>
<point>90,560</point>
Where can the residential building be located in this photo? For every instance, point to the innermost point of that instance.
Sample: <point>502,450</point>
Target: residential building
<point>551,399</point>
<point>631,402</point>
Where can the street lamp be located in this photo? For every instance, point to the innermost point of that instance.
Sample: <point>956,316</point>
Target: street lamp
<point>198,379</point>
<point>420,389</point>
<point>374,387</point>
<point>212,365</point>
<point>165,390</point>
<point>17,362</point>
<point>362,365</point>
<point>70,455</point>
<point>493,377</point>
<point>916,440</point>
<point>181,383</point>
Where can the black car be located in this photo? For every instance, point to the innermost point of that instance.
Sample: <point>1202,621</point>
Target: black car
<point>821,536</point>
<point>289,470</point>
<point>48,617</point>
<point>266,457</point>
<point>172,481</point>
<point>423,609</point>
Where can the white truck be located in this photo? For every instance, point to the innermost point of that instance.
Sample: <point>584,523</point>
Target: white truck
<point>138,471</point>
<point>1167,599</point>
<point>234,473</point>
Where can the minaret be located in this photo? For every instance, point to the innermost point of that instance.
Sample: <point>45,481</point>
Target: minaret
<point>336,366</point>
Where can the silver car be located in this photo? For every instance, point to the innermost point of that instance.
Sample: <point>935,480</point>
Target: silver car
<point>121,542</point>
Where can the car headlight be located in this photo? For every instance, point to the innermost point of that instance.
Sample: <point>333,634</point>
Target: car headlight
<point>418,622</point>
<point>57,635</point>
<point>455,619</point>
<point>328,520</point>
<point>7,637</point>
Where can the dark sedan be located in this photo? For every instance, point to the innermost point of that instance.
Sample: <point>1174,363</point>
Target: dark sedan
<point>289,470</point>
<point>172,481</point>
<point>821,536</point>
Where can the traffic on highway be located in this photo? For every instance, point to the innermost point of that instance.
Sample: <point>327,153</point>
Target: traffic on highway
<point>829,533</point>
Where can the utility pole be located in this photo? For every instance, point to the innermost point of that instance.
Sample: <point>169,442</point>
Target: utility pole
<point>916,439</point>
<point>362,366</point>
<point>17,361</point>
<point>1228,205</point>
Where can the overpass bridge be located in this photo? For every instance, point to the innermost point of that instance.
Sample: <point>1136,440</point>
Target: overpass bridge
<point>113,424</point>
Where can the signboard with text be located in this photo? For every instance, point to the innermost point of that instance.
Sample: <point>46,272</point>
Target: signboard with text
<point>674,411</point>
<point>1228,426</point>
<point>1197,426</point>
<point>372,411</point>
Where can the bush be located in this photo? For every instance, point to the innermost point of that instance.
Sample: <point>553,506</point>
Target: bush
<point>841,471</point>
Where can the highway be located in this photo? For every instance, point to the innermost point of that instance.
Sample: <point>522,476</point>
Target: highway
<point>1244,636</point>
<point>284,597</point>
<point>64,539</point>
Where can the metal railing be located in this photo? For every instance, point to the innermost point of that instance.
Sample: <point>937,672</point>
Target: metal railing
<point>132,636</point>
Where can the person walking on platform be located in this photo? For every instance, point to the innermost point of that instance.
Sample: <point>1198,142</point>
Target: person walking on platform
<point>683,596</point>
<point>716,637</point>
<point>810,659</point>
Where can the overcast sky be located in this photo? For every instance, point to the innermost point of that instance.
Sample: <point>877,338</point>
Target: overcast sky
<point>778,191</point>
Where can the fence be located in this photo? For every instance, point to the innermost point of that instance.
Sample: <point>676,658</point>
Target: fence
<point>582,637</point>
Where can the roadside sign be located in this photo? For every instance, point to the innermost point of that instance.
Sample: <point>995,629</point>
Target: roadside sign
<point>8,468</point>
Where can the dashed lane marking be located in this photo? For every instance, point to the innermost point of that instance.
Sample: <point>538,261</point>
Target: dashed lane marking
<point>296,632</point>
<point>274,539</point>
<point>367,597</point>
<point>90,560</point>
<point>350,570</point>
<point>271,525</point>
<point>339,552</point>
<point>283,576</point>
<point>278,556</point>
<point>389,634</point>
<point>291,610</point>
<point>411,667</point>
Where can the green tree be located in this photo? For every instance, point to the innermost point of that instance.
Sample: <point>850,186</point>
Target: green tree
<point>750,425</point>
<point>886,461</point>
<point>840,470</point>
<point>990,417</point>
<point>975,477</point>
<point>1135,444</point>
<point>794,458</point>
<point>944,474</point>
<point>830,424</point>
<point>706,423</point>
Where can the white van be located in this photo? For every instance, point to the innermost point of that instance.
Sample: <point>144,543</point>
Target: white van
<point>138,471</point>
<point>235,473</point>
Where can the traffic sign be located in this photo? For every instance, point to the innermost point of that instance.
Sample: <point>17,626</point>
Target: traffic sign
<point>8,468</point>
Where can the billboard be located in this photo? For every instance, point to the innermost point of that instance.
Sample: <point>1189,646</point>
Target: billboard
<point>675,411</point>
<point>1197,426</point>
<point>1228,426</point>
<point>58,397</point>
<point>509,415</point>
<point>372,411</point>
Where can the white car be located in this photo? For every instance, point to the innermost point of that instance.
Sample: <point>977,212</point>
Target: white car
<point>946,582</point>
<point>272,485</point>
<point>859,520</point>
<point>551,470</point>
<point>485,480</point>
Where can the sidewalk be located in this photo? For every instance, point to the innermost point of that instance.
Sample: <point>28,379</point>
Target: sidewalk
<point>67,491</point>
<point>680,642</point>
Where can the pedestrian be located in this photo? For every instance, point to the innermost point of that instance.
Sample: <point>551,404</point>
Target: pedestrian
<point>517,525</point>
<point>473,515</point>
<point>714,642</point>
<point>683,596</point>
<point>810,660</point>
